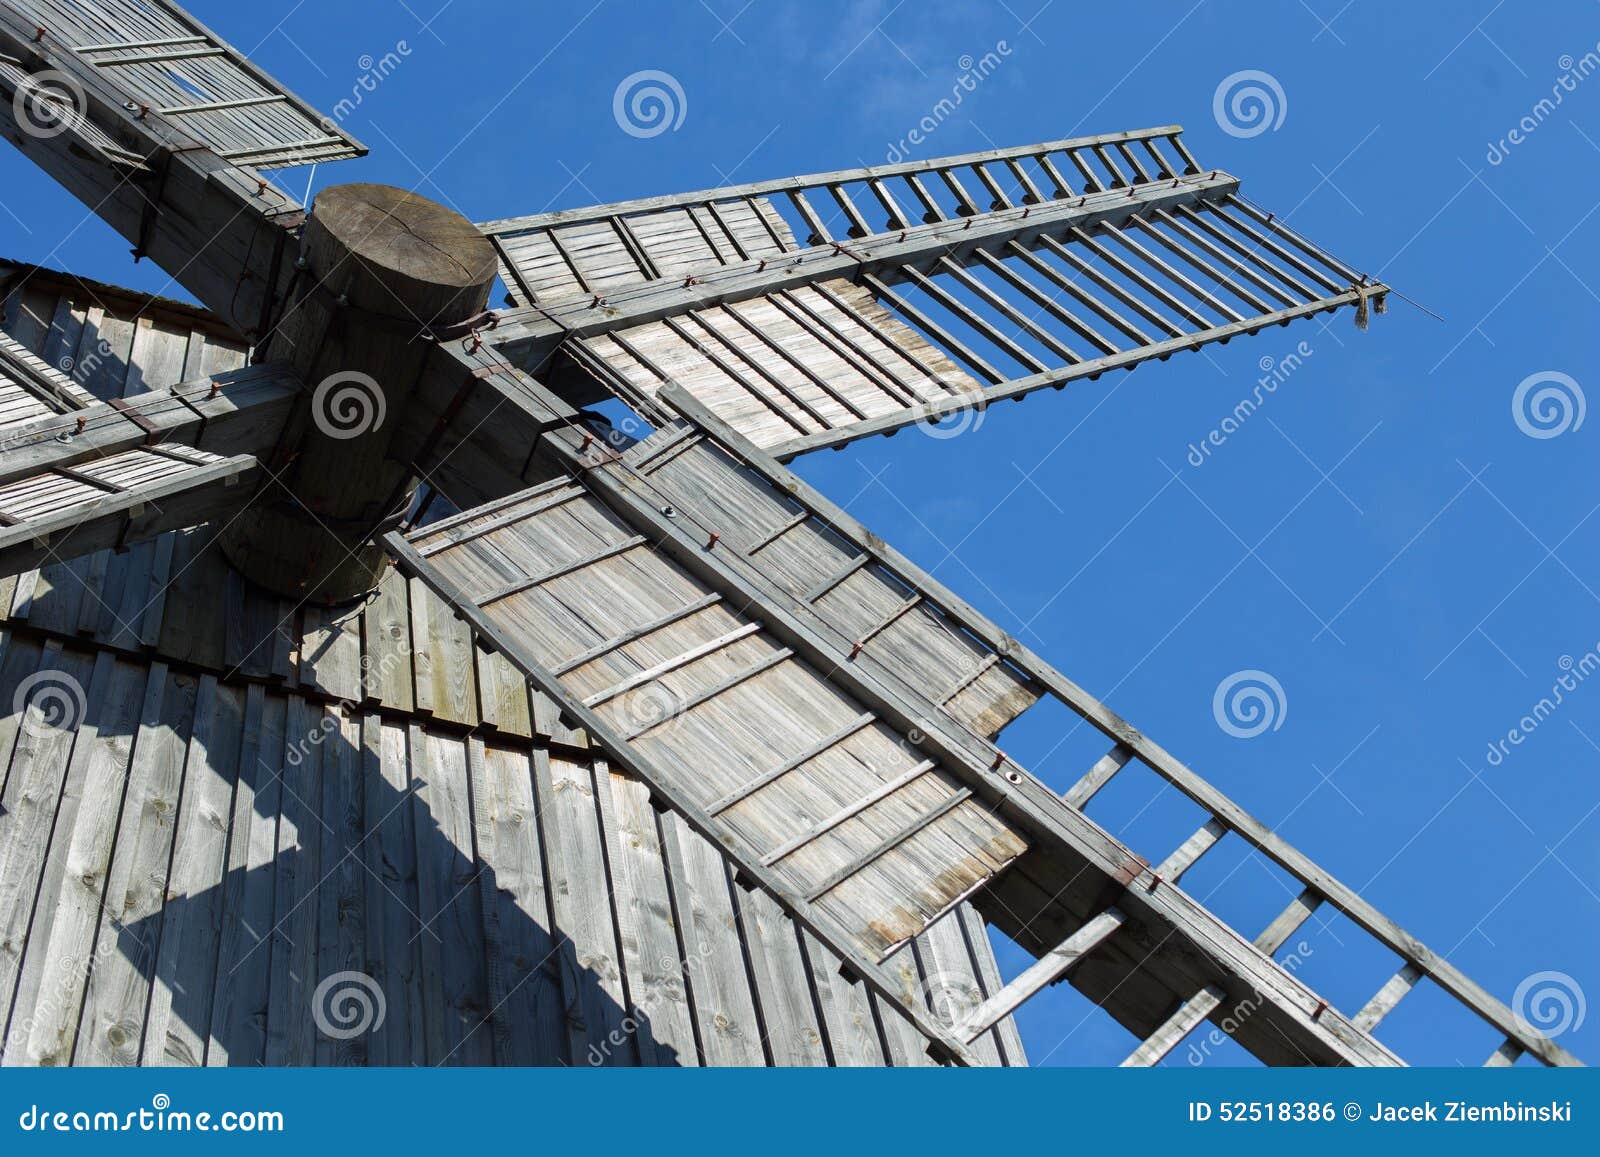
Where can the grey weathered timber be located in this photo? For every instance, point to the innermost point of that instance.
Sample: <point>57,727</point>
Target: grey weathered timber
<point>379,266</point>
<point>740,759</point>
<point>1046,970</point>
<point>513,225</point>
<point>795,383</point>
<point>238,412</point>
<point>93,887</point>
<point>116,501</point>
<point>1179,1025</point>
<point>223,231</point>
<point>625,755</point>
<point>1320,885</point>
<point>525,333</point>
<point>209,621</point>
<point>1231,956</point>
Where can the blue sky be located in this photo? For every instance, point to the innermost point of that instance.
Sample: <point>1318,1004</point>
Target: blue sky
<point>1382,537</point>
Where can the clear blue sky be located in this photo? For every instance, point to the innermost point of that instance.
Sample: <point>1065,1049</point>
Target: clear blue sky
<point>1382,537</point>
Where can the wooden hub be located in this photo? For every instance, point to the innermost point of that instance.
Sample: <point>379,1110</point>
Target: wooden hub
<point>380,270</point>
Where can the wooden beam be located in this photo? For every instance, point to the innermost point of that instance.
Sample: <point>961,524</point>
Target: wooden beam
<point>1046,970</point>
<point>1179,1025</point>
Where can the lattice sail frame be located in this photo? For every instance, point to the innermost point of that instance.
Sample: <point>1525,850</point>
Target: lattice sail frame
<point>1141,253</point>
<point>703,313</point>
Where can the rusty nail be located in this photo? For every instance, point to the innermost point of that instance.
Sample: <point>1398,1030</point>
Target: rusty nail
<point>588,439</point>
<point>855,648</point>
<point>1322,1006</point>
<point>82,422</point>
<point>39,33</point>
<point>999,758</point>
<point>261,186</point>
<point>216,388</point>
<point>713,540</point>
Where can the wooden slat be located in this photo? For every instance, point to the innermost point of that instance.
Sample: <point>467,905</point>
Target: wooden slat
<point>1197,845</point>
<point>1113,761</point>
<point>1384,1000</point>
<point>1044,971</point>
<point>1179,1025</point>
<point>744,791</point>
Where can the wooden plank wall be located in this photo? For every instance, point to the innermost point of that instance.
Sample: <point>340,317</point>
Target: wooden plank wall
<point>111,343</point>
<point>186,859</point>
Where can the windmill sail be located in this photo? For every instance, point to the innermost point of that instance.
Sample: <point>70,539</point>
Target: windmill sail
<point>1092,254</point>
<point>161,128</point>
<point>649,603</point>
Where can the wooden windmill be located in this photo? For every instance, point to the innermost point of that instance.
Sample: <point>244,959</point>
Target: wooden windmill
<point>771,685</point>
